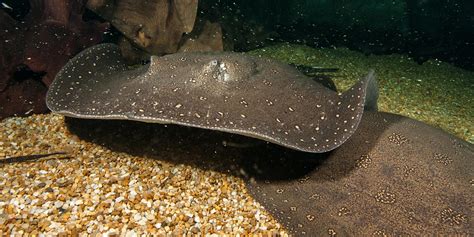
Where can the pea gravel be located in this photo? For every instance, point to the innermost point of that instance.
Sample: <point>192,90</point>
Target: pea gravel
<point>98,191</point>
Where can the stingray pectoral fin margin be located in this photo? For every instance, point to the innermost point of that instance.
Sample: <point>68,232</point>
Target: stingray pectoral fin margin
<point>342,120</point>
<point>93,65</point>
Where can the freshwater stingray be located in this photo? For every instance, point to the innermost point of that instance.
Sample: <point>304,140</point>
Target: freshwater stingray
<point>225,91</point>
<point>394,177</point>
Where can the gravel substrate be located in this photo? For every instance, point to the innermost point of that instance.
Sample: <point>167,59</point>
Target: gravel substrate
<point>127,180</point>
<point>95,190</point>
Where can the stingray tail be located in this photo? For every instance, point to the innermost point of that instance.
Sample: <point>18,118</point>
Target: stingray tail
<point>363,95</point>
<point>372,92</point>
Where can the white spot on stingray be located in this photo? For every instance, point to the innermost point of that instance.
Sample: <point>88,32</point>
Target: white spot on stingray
<point>244,103</point>
<point>319,106</point>
<point>243,116</point>
<point>291,109</point>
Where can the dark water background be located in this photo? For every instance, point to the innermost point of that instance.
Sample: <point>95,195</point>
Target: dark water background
<point>423,29</point>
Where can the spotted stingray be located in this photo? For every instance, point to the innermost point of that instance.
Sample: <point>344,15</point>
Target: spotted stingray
<point>394,177</point>
<point>230,92</point>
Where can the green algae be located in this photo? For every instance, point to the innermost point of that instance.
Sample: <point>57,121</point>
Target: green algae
<point>434,92</point>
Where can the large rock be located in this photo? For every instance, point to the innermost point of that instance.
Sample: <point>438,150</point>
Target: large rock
<point>155,26</point>
<point>206,37</point>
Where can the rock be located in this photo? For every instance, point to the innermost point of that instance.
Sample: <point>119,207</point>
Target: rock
<point>171,28</point>
<point>154,26</point>
<point>208,37</point>
<point>34,49</point>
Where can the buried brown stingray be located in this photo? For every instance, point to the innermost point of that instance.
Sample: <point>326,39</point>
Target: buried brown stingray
<point>394,176</point>
<point>229,92</point>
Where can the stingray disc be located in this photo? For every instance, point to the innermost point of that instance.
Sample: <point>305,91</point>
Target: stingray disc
<point>224,91</point>
<point>394,177</point>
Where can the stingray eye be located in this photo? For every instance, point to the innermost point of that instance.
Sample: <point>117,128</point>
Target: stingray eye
<point>214,62</point>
